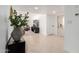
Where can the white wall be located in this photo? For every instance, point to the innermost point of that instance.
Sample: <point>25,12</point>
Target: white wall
<point>71,42</point>
<point>43,23</point>
<point>51,24</point>
<point>32,17</point>
<point>3,26</point>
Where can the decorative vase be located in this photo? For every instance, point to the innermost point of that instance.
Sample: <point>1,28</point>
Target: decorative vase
<point>17,33</point>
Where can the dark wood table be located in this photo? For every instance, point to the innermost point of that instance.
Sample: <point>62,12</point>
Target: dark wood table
<point>18,47</point>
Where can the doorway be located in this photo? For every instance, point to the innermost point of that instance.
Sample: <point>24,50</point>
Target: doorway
<point>60,25</point>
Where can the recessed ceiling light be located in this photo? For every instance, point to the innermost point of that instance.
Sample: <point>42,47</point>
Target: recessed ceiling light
<point>36,8</point>
<point>54,12</point>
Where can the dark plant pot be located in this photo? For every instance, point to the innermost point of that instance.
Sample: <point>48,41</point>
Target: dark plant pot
<point>17,34</point>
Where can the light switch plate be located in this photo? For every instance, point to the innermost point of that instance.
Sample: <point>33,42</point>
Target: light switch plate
<point>69,22</point>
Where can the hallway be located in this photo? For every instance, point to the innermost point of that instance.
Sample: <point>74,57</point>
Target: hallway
<point>38,43</point>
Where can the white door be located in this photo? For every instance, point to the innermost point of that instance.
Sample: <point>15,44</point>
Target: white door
<point>51,24</point>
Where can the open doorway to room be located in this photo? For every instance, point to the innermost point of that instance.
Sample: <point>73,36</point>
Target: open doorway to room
<point>60,25</point>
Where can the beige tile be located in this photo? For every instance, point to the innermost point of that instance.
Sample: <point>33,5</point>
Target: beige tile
<point>38,43</point>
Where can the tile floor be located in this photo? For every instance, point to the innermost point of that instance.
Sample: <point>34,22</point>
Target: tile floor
<point>37,43</point>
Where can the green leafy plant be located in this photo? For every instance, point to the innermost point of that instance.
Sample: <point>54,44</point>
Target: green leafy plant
<point>18,20</point>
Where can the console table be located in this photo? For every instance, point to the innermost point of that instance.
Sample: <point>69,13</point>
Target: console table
<point>18,47</point>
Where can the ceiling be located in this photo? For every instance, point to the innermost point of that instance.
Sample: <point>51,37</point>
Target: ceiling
<point>44,9</point>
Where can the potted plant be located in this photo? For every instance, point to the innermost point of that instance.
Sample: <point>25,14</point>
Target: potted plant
<point>17,21</point>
